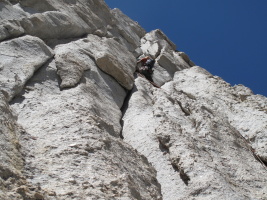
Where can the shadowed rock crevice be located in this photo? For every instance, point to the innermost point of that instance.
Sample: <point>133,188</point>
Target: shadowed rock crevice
<point>265,162</point>
<point>163,143</point>
<point>185,178</point>
<point>242,142</point>
<point>10,32</point>
<point>125,106</point>
<point>164,146</point>
<point>6,173</point>
<point>186,111</point>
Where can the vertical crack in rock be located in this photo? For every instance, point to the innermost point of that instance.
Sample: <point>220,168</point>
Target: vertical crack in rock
<point>125,106</point>
<point>186,111</point>
<point>163,145</point>
<point>183,175</point>
<point>249,146</point>
<point>79,140</point>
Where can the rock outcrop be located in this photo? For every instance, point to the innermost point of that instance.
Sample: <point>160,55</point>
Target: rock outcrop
<point>77,123</point>
<point>188,131</point>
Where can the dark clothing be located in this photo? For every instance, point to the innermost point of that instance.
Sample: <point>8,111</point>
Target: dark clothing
<point>146,72</point>
<point>146,68</point>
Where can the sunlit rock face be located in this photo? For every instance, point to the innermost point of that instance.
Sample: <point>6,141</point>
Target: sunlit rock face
<point>77,122</point>
<point>190,131</point>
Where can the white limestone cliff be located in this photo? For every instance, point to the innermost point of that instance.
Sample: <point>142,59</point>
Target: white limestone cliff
<point>77,123</point>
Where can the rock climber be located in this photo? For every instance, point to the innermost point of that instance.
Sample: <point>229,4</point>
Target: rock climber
<point>147,64</point>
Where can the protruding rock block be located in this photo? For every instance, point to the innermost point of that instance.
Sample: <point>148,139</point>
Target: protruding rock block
<point>109,55</point>
<point>171,62</point>
<point>154,42</point>
<point>19,59</point>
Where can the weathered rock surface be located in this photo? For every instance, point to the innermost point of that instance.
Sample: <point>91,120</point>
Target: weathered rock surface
<point>19,59</point>
<point>190,136</point>
<point>76,151</point>
<point>70,139</point>
<point>57,19</point>
<point>13,184</point>
<point>244,110</point>
<point>50,19</point>
<point>11,158</point>
<point>76,123</point>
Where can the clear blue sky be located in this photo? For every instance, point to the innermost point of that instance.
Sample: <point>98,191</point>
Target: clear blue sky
<point>226,37</point>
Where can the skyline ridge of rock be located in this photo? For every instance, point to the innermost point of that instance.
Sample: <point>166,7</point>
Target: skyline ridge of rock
<point>78,123</point>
